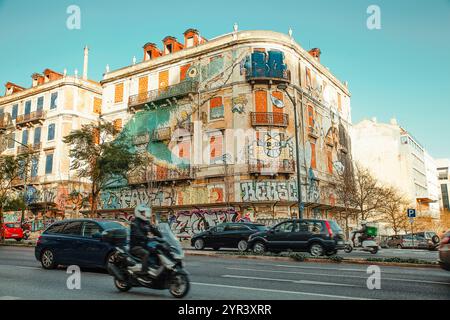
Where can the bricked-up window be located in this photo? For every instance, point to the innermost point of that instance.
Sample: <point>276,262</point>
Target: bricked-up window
<point>339,100</point>
<point>311,116</point>
<point>216,148</point>
<point>118,93</point>
<point>313,155</point>
<point>49,163</point>
<point>308,77</point>
<point>184,149</point>
<point>278,112</point>
<point>330,161</point>
<point>97,105</point>
<point>216,108</point>
<point>118,124</point>
<point>183,71</point>
<point>54,100</point>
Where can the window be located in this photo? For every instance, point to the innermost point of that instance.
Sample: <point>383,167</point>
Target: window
<point>55,228</point>
<point>49,163</point>
<point>11,142</point>
<point>310,116</point>
<point>189,42</point>
<point>73,228</point>
<point>143,88</point>
<point>14,112</point>
<point>216,109</point>
<point>313,155</point>
<point>97,105</point>
<point>28,107</point>
<point>54,100</point>
<point>34,167</point>
<point>25,137</point>
<point>169,48</point>
<point>40,103</point>
<point>285,227</point>
<point>339,102</point>
<point>308,77</point>
<point>118,93</point>
<point>89,229</point>
<point>37,135</point>
<point>215,145</point>
<point>51,132</point>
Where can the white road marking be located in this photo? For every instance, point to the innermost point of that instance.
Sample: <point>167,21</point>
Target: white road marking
<point>280,291</point>
<point>9,298</point>
<point>21,267</point>
<point>293,281</point>
<point>339,275</point>
<point>319,268</point>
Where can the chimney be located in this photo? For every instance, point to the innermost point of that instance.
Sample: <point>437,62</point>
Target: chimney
<point>315,53</point>
<point>151,51</point>
<point>37,79</point>
<point>86,62</point>
<point>171,45</point>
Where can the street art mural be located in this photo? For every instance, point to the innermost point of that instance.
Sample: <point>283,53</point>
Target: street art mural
<point>268,191</point>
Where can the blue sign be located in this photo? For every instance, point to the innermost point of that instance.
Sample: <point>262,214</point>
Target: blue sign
<point>411,213</point>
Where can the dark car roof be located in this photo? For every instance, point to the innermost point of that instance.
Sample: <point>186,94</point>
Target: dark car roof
<point>86,220</point>
<point>244,223</point>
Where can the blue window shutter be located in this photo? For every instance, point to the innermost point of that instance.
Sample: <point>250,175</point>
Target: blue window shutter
<point>40,103</point>
<point>53,101</point>
<point>51,132</point>
<point>15,109</point>
<point>28,107</point>
<point>37,135</point>
<point>25,137</point>
<point>49,164</point>
<point>34,167</point>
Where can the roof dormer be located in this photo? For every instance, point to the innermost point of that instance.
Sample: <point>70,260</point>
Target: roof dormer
<point>50,75</point>
<point>192,38</point>
<point>12,88</point>
<point>171,45</point>
<point>37,79</point>
<point>151,51</point>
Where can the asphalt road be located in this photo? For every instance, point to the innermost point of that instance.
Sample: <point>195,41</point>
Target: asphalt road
<point>21,277</point>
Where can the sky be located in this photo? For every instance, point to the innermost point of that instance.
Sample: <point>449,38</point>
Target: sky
<point>401,70</point>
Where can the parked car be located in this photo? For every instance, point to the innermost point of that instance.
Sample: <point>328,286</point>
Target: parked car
<point>227,235</point>
<point>409,241</point>
<point>75,242</point>
<point>12,231</point>
<point>444,251</point>
<point>431,237</point>
<point>318,237</point>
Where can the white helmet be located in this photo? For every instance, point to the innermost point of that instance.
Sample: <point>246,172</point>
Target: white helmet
<point>363,223</point>
<point>142,212</point>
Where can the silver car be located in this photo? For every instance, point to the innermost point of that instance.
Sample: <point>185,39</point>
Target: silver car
<point>444,251</point>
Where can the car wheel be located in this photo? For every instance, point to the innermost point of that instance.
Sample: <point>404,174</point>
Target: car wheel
<point>374,251</point>
<point>331,253</point>
<point>48,259</point>
<point>436,239</point>
<point>18,240</point>
<point>316,250</point>
<point>243,245</point>
<point>399,246</point>
<point>122,286</point>
<point>199,244</point>
<point>259,247</point>
<point>109,259</point>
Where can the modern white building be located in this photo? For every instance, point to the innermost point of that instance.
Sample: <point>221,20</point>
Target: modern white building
<point>443,168</point>
<point>396,158</point>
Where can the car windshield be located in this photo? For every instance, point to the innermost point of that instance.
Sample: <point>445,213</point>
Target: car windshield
<point>334,226</point>
<point>260,228</point>
<point>429,235</point>
<point>12,225</point>
<point>113,225</point>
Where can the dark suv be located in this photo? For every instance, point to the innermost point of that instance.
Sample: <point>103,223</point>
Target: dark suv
<point>318,237</point>
<point>227,235</point>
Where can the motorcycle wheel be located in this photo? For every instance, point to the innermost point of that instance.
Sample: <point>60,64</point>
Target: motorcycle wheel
<point>122,286</point>
<point>374,251</point>
<point>179,285</point>
<point>348,249</point>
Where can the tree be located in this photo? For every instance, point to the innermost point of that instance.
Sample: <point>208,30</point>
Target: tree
<point>100,154</point>
<point>11,168</point>
<point>394,211</point>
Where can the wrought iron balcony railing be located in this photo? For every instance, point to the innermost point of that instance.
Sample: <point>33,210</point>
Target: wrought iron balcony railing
<point>272,167</point>
<point>175,91</point>
<point>33,117</point>
<point>269,119</point>
<point>31,148</point>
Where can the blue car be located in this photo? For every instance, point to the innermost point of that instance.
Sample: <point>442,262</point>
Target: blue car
<point>76,242</point>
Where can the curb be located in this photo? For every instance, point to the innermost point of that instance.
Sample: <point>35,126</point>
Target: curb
<point>345,261</point>
<point>12,244</point>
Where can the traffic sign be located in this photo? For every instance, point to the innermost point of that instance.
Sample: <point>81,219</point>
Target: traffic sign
<point>411,213</point>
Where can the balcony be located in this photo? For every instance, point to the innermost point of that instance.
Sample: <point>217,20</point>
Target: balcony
<point>258,75</point>
<point>269,119</point>
<point>3,122</point>
<point>138,101</point>
<point>20,182</point>
<point>31,118</point>
<point>160,174</point>
<point>272,167</point>
<point>31,148</point>
<point>162,134</point>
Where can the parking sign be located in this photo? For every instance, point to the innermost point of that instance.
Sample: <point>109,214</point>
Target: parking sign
<point>411,213</point>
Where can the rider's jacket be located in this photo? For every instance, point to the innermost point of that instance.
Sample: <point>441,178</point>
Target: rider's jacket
<point>139,232</point>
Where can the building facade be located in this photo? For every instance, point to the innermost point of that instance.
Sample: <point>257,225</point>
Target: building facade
<point>37,119</point>
<point>219,131</point>
<point>443,168</point>
<point>396,158</point>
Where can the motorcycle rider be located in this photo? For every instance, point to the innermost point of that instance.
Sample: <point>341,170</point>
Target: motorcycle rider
<point>139,239</point>
<point>363,233</point>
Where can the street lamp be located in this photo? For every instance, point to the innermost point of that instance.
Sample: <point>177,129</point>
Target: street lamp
<point>284,87</point>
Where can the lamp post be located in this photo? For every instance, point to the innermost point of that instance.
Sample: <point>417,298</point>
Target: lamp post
<point>284,87</point>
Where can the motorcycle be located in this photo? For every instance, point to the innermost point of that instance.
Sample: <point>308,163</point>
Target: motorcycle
<point>368,245</point>
<point>125,267</point>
